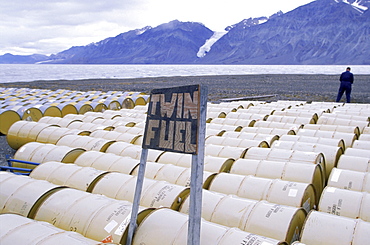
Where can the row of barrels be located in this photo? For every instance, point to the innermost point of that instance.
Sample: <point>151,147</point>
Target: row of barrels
<point>352,160</point>
<point>38,232</point>
<point>180,175</point>
<point>32,154</point>
<point>102,153</point>
<point>208,196</point>
<point>217,208</point>
<point>218,126</point>
<point>32,104</point>
<point>237,140</point>
<point>244,175</point>
<point>172,228</point>
<point>218,158</point>
<point>222,152</point>
<point>349,139</point>
<point>105,219</point>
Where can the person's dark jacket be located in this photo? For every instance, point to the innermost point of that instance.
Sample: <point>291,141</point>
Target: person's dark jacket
<point>346,77</point>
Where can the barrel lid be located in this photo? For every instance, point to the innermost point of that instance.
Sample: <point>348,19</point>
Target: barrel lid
<point>7,118</point>
<point>71,156</point>
<point>296,225</point>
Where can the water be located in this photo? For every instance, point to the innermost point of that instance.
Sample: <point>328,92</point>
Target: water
<point>27,73</point>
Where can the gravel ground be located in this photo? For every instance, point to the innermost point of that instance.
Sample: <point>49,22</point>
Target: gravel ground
<point>283,87</point>
<point>286,87</point>
<point>5,150</point>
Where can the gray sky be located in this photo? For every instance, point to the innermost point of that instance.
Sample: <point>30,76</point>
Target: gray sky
<point>51,26</point>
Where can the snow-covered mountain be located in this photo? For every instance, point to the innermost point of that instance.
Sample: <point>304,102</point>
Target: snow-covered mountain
<point>170,43</point>
<point>321,32</point>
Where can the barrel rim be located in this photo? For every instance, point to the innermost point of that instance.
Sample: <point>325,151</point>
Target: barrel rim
<point>35,208</point>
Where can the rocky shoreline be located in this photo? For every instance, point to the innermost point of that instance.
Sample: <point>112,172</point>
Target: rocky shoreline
<point>283,87</point>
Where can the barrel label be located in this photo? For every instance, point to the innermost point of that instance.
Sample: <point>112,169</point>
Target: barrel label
<point>161,194</point>
<point>255,240</point>
<point>124,224</point>
<point>110,226</point>
<point>336,175</point>
<point>273,210</point>
<point>108,239</point>
<point>336,208</point>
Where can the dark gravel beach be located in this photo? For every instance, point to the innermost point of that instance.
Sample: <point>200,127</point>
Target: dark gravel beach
<point>282,87</point>
<point>285,87</point>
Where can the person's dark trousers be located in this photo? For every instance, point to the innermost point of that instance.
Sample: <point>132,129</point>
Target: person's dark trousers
<point>345,87</point>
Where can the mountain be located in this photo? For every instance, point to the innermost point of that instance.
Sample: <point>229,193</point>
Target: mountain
<point>171,43</point>
<point>322,32</point>
<point>22,59</point>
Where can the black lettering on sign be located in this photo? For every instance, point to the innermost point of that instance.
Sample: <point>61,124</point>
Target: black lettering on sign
<point>172,120</point>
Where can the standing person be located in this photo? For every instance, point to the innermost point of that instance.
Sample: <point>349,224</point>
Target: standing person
<point>346,80</point>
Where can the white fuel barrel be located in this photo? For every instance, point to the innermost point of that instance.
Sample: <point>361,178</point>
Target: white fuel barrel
<point>23,132</point>
<point>349,180</point>
<point>23,195</point>
<point>351,204</point>
<point>71,175</point>
<point>21,230</point>
<point>355,163</point>
<point>348,138</point>
<point>46,152</point>
<point>171,228</point>
<point>154,194</point>
<point>94,216</point>
<point>327,229</point>
<point>289,171</point>
<point>338,128</point>
<point>107,161</point>
<point>86,142</point>
<point>273,154</point>
<point>331,153</point>
<point>51,135</point>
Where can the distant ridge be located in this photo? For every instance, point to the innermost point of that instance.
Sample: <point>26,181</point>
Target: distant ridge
<point>323,32</point>
<point>22,59</point>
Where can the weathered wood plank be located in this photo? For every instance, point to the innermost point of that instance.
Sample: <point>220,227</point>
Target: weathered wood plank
<point>248,98</point>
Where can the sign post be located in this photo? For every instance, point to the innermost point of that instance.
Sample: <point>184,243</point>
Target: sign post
<point>196,182</point>
<point>176,122</point>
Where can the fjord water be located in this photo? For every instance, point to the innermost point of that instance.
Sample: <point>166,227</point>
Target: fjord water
<point>33,72</point>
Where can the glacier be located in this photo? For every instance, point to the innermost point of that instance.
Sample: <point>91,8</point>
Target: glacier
<point>203,50</point>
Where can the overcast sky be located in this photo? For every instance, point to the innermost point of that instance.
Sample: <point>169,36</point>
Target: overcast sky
<point>51,26</point>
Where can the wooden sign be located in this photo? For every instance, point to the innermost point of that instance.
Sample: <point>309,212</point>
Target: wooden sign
<point>172,120</point>
<point>176,121</point>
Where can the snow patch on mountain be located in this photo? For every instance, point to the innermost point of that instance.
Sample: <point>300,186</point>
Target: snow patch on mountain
<point>208,44</point>
<point>246,23</point>
<point>142,30</point>
<point>357,5</point>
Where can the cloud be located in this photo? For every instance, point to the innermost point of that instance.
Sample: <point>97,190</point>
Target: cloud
<point>51,26</point>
